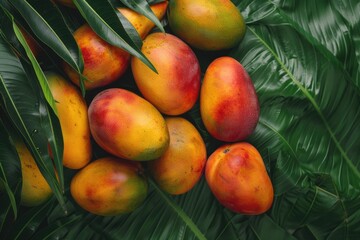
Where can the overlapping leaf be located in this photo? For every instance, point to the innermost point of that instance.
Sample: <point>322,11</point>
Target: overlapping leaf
<point>29,112</point>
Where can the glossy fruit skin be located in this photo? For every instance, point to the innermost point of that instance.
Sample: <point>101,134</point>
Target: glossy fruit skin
<point>229,105</point>
<point>109,186</point>
<point>237,176</point>
<point>35,189</point>
<point>181,166</point>
<point>72,113</point>
<point>142,24</point>
<point>175,89</point>
<point>126,125</point>
<point>208,25</point>
<point>103,63</point>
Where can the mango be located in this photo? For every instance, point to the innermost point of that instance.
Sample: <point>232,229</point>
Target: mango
<point>126,125</point>
<point>175,88</point>
<point>209,25</point>
<point>181,166</point>
<point>229,105</point>
<point>142,24</point>
<point>237,176</point>
<point>103,62</point>
<point>72,112</point>
<point>35,189</point>
<point>109,186</point>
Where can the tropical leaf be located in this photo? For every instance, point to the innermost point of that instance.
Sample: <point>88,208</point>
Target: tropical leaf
<point>143,8</point>
<point>23,101</point>
<point>303,57</point>
<point>10,176</point>
<point>102,17</point>
<point>49,26</point>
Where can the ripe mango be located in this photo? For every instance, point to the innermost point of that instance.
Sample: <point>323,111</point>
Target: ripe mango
<point>103,62</point>
<point>109,186</point>
<point>72,112</point>
<point>35,189</point>
<point>175,89</point>
<point>179,169</point>
<point>207,24</point>
<point>229,105</point>
<point>237,176</point>
<point>142,24</point>
<point>126,125</point>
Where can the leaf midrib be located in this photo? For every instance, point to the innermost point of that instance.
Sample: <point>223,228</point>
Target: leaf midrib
<point>312,101</point>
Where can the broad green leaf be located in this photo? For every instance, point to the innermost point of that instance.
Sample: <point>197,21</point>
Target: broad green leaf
<point>26,107</point>
<point>49,26</point>
<point>102,18</point>
<point>143,7</point>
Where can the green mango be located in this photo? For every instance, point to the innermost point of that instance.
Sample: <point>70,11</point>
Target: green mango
<point>208,25</point>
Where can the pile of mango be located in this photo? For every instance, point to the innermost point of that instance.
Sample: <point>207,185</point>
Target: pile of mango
<point>145,135</point>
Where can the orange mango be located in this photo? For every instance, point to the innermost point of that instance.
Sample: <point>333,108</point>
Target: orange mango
<point>35,189</point>
<point>109,186</point>
<point>72,113</point>
<point>126,125</point>
<point>237,176</point>
<point>179,169</point>
<point>103,62</point>
<point>229,105</point>
<point>175,88</point>
<point>142,24</point>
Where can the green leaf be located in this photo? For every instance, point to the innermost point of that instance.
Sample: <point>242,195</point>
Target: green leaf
<point>24,103</point>
<point>143,7</point>
<point>10,175</point>
<point>102,18</point>
<point>49,26</point>
<point>25,226</point>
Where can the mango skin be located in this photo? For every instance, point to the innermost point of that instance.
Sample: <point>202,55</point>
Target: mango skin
<point>103,63</point>
<point>237,176</point>
<point>72,113</point>
<point>209,25</point>
<point>142,24</point>
<point>229,105</point>
<point>35,189</point>
<point>175,89</point>
<point>181,166</point>
<point>109,186</point>
<point>126,125</point>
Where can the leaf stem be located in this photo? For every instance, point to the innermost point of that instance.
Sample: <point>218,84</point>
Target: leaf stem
<point>180,212</point>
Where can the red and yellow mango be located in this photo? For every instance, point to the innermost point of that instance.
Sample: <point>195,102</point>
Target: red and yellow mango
<point>175,88</point>
<point>126,125</point>
<point>109,186</point>
<point>229,105</point>
<point>103,62</point>
<point>237,176</point>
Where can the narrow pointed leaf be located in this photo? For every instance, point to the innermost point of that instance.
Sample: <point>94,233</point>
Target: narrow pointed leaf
<point>102,18</point>
<point>143,7</point>
<point>27,108</point>
<point>49,26</point>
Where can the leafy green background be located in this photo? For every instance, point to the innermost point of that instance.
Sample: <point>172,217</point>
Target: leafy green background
<point>303,57</point>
